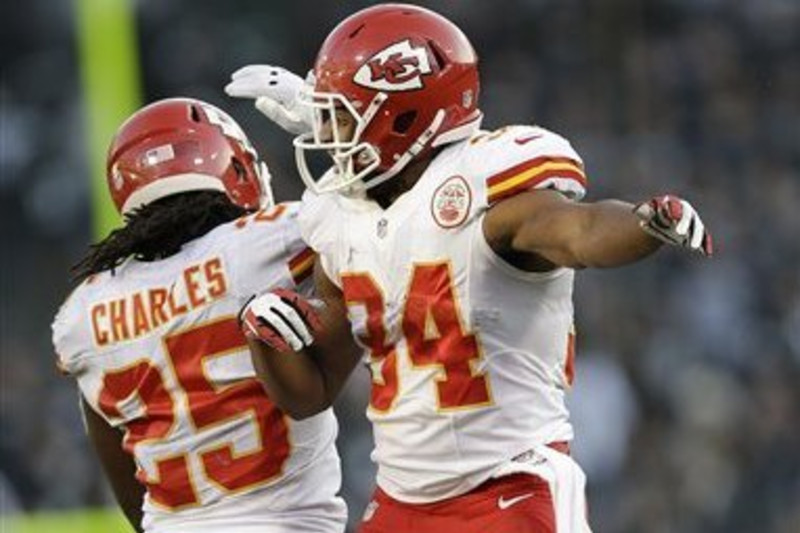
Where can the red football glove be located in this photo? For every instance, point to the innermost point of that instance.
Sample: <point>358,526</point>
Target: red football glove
<point>281,319</point>
<point>674,221</point>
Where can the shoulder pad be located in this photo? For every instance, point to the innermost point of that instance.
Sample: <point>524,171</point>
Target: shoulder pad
<point>262,247</point>
<point>517,158</point>
<point>317,230</point>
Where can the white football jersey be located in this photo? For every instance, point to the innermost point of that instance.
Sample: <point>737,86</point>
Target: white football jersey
<point>470,357</point>
<point>157,352</point>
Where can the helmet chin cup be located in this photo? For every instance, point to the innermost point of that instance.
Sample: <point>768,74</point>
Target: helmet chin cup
<point>353,159</point>
<point>350,166</point>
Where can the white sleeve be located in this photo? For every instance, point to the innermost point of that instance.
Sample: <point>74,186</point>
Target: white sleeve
<point>70,335</point>
<point>265,251</point>
<point>318,231</point>
<point>530,157</point>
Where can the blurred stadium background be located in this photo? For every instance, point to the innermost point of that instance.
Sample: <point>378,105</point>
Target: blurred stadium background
<point>687,403</point>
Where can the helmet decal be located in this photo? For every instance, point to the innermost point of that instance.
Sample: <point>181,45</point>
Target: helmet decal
<point>158,155</point>
<point>398,67</point>
<point>228,126</point>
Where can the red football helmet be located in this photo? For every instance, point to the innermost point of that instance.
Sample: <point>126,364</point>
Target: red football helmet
<point>408,77</point>
<point>180,145</point>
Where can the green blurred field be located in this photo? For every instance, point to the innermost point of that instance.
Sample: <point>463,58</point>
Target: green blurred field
<point>87,521</point>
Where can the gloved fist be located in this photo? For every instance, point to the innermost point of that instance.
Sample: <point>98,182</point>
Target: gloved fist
<point>281,319</point>
<point>674,221</point>
<point>276,92</point>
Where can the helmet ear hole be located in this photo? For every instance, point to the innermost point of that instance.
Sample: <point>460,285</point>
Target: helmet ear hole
<point>356,31</point>
<point>404,121</point>
<point>194,113</point>
<point>241,172</point>
<point>438,55</point>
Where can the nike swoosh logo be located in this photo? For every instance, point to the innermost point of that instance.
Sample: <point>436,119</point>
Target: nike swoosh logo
<point>502,503</point>
<point>526,140</point>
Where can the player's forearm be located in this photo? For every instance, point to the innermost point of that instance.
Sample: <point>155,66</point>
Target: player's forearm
<point>129,494</point>
<point>302,352</point>
<point>612,236</point>
<point>602,234</point>
<point>292,380</point>
<point>134,516</point>
<point>118,465</point>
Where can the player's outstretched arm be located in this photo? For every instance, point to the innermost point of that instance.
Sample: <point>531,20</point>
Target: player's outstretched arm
<point>303,352</point>
<point>554,231</point>
<point>118,465</point>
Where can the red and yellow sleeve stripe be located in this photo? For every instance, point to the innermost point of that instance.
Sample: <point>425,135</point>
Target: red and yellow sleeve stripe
<point>302,265</point>
<point>530,173</point>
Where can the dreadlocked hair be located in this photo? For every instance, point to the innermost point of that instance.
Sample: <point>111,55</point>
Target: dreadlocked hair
<point>159,230</point>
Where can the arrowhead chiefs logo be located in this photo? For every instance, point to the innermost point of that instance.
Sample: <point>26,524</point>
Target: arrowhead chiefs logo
<point>451,202</point>
<point>399,67</point>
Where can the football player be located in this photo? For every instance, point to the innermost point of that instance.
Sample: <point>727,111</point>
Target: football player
<point>447,254</point>
<point>189,440</point>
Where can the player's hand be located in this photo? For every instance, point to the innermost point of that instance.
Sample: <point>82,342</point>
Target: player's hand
<point>275,91</point>
<point>674,221</point>
<point>281,319</point>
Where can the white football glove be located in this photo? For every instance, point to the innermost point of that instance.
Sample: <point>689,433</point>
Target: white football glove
<point>674,221</point>
<point>276,92</point>
<point>282,319</point>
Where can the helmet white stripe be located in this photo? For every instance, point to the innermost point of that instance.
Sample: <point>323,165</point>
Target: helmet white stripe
<point>171,185</point>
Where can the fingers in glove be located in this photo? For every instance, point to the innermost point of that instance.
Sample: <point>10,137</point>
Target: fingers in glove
<point>655,214</point>
<point>247,87</point>
<point>304,308</point>
<point>687,218</point>
<point>696,233</point>
<point>675,221</point>
<point>289,324</point>
<point>655,219</point>
<point>275,111</point>
<point>290,121</point>
<point>662,234</point>
<point>256,70</point>
<point>253,81</point>
<point>279,318</point>
<point>254,327</point>
<point>667,211</point>
<point>674,208</point>
<point>644,211</point>
<point>241,89</point>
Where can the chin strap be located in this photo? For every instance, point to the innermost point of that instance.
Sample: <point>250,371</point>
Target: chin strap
<point>456,134</point>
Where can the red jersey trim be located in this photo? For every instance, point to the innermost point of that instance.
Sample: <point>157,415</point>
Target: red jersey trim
<point>530,173</point>
<point>302,265</point>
